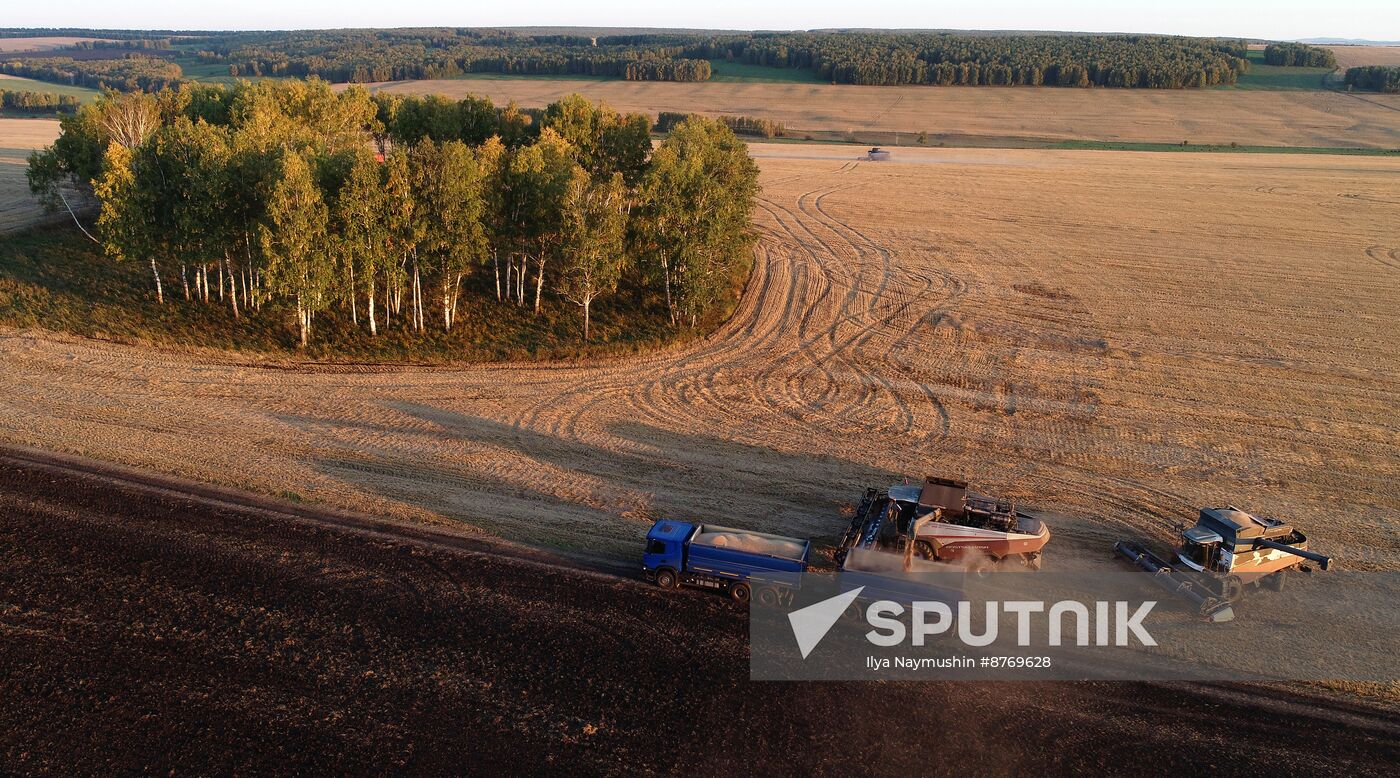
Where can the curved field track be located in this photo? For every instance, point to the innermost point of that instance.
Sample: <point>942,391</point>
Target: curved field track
<point>1113,338</point>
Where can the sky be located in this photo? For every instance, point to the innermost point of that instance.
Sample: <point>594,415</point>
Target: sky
<point>1271,19</point>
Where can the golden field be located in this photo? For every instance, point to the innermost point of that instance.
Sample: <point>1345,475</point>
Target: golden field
<point>1219,116</point>
<point>18,137</point>
<point>1111,338</point>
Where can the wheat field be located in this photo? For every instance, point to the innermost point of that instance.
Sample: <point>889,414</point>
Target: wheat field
<point>1300,118</point>
<point>18,137</point>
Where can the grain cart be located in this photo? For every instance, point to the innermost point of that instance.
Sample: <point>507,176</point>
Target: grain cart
<point>974,530</point>
<point>1225,551</point>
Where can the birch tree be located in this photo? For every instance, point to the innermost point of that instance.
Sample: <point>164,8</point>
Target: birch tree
<point>293,241</point>
<point>449,206</point>
<point>595,223</point>
<point>539,175</point>
<point>362,216</point>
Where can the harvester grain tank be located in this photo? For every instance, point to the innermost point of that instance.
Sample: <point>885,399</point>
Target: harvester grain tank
<point>736,561</point>
<point>975,530</point>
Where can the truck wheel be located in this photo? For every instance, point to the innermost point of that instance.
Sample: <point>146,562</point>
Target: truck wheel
<point>740,593</point>
<point>665,579</point>
<point>1031,561</point>
<point>982,566</point>
<point>768,597</point>
<point>1231,589</point>
<point>924,549</point>
<point>1275,581</point>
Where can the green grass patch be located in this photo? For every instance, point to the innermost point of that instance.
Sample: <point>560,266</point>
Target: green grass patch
<point>1274,78</point>
<point>1225,148</point>
<point>59,280</point>
<point>724,71</point>
<point>17,84</point>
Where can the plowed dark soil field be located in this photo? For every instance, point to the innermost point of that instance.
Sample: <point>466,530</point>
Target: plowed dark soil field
<point>149,624</point>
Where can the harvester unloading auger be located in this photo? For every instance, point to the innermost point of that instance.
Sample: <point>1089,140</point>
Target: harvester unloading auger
<point>1224,552</point>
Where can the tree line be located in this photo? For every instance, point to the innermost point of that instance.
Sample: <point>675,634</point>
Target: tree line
<point>1129,61</point>
<point>272,197</point>
<point>359,56</point>
<point>1299,55</point>
<point>1377,78</point>
<point>890,58</point>
<point>131,73</point>
<point>37,102</point>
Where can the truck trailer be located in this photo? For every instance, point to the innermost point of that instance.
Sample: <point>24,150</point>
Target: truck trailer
<point>741,563</point>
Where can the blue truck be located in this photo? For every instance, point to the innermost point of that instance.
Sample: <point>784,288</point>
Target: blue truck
<point>742,563</point>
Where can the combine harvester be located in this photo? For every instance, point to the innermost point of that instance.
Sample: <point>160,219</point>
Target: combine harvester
<point>1224,552</point>
<point>949,523</point>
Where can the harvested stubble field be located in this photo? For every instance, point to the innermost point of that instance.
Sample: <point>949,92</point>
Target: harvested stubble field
<point>40,44</point>
<point>18,137</point>
<point>1356,56</point>
<point>1112,338</point>
<point>1303,118</point>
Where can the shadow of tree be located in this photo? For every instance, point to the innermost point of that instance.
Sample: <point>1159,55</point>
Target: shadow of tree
<point>614,488</point>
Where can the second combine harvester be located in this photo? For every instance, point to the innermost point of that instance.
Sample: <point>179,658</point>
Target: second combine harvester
<point>973,530</point>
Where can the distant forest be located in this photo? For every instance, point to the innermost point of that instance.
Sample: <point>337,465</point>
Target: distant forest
<point>356,56</point>
<point>1299,55</point>
<point>1377,78</point>
<point>26,102</point>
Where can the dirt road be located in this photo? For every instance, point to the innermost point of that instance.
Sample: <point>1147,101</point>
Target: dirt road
<point>150,625</point>
<point>1114,339</point>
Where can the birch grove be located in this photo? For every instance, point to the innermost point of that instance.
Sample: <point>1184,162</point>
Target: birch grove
<point>394,214</point>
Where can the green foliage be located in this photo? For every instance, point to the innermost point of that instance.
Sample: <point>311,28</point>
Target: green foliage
<point>668,119</point>
<point>732,71</point>
<point>360,56</point>
<point>884,58</point>
<point>293,239</point>
<point>1261,76</point>
<point>128,74</point>
<point>595,226</point>
<point>1142,61</point>
<point>1377,78</point>
<point>1299,55</point>
<point>269,197</point>
<point>752,125</point>
<point>58,279</point>
<point>37,103</point>
<point>695,205</point>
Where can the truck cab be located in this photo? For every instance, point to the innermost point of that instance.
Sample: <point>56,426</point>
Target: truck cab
<point>666,547</point>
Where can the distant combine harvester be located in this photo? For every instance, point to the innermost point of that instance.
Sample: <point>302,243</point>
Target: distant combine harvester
<point>877,154</point>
